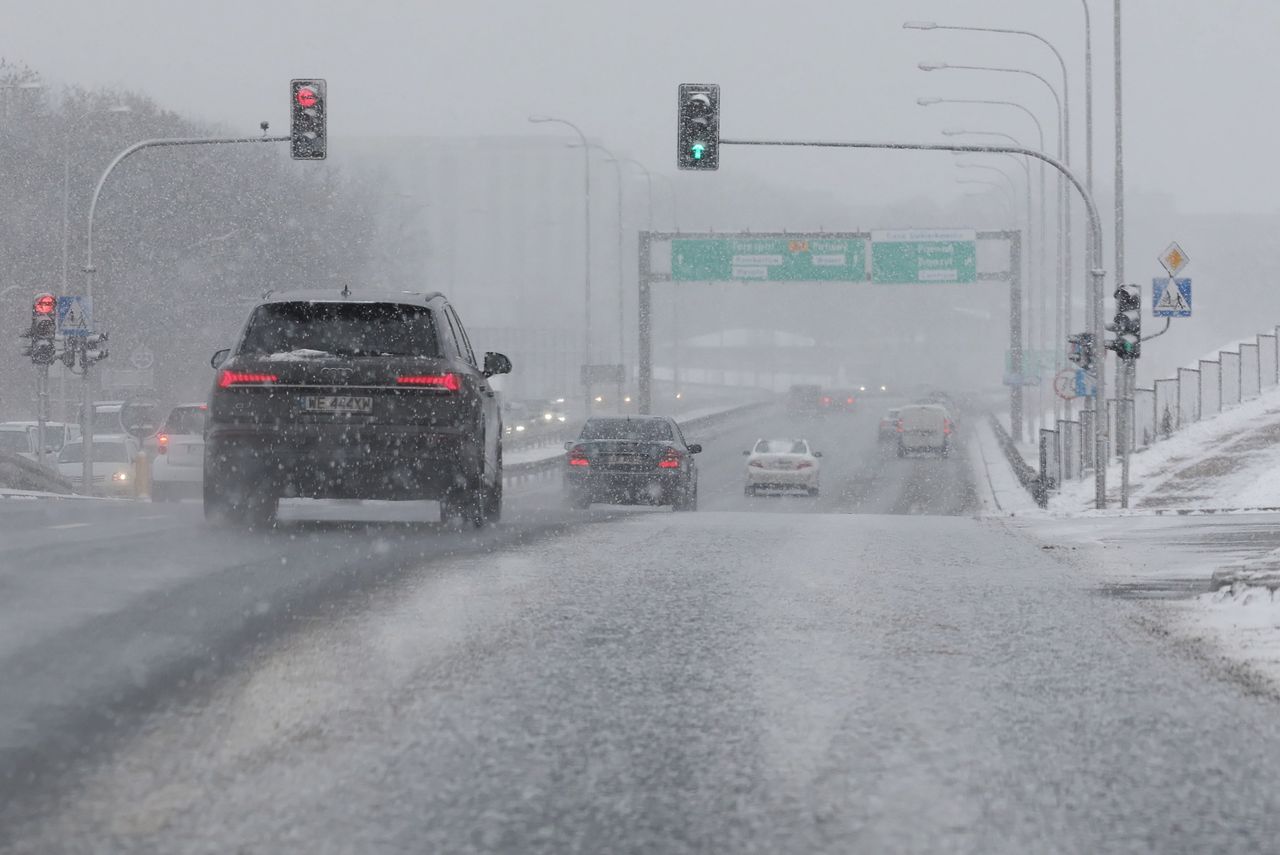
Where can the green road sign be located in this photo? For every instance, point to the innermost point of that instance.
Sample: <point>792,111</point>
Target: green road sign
<point>1034,362</point>
<point>798,259</point>
<point>924,257</point>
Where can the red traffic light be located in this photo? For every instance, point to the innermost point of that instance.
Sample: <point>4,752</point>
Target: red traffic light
<point>45,304</point>
<point>307,97</point>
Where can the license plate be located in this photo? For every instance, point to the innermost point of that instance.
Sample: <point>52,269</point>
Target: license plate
<point>337,404</point>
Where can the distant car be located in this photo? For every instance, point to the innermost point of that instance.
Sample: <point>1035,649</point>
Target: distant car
<point>783,464</point>
<point>178,468</point>
<point>838,400</point>
<point>924,428</point>
<point>516,418</point>
<point>358,394</point>
<point>113,464</point>
<point>555,411</point>
<point>888,431</point>
<point>632,460</point>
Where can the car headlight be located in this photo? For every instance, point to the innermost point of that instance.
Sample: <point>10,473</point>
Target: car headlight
<point>548,416</point>
<point>519,428</point>
<point>119,476</point>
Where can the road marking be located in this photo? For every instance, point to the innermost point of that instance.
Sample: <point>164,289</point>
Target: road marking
<point>69,525</point>
<point>154,517</point>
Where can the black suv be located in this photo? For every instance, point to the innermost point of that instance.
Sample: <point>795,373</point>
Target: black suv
<point>373,395</point>
<point>632,460</point>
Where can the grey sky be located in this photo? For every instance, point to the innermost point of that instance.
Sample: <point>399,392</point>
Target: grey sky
<point>1197,126</point>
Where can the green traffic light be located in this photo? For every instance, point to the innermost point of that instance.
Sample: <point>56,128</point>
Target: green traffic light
<point>698,150</point>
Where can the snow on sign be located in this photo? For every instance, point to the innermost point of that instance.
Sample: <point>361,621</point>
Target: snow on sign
<point>1171,298</point>
<point>1173,259</point>
<point>75,316</point>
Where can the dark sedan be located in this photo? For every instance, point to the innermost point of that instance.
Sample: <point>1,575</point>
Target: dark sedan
<point>632,460</point>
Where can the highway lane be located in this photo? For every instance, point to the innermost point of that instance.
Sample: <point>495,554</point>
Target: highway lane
<point>715,682</point>
<point>109,608</point>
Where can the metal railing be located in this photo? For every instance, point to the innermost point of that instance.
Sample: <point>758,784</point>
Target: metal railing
<point>1168,405</point>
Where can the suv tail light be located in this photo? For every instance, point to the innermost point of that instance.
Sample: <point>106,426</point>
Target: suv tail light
<point>898,426</point>
<point>670,459</point>
<point>826,401</point>
<point>243,378</point>
<point>848,400</point>
<point>946,426</point>
<point>162,443</point>
<point>449,382</point>
<point>578,456</point>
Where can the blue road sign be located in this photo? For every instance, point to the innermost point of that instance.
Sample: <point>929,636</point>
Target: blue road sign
<point>1086,385</point>
<point>1171,301</point>
<point>75,316</point>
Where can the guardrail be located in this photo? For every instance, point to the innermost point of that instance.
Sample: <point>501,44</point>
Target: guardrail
<point>19,473</point>
<point>1031,480</point>
<point>544,467</point>
<point>1167,406</point>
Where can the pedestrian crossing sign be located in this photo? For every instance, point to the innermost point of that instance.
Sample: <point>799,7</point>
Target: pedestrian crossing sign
<point>75,316</point>
<point>1171,298</point>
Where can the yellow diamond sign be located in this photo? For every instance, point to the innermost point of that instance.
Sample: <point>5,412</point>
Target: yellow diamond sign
<point>1174,259</point>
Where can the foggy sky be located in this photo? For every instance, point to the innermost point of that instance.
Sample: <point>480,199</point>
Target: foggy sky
<point>1198,122</point>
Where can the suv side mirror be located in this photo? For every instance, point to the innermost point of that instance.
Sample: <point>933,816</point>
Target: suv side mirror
<point>817,454</point>
<point>695,448</point>
<point>746,454</point>
<point>496,363</point>
<point>219,357</point>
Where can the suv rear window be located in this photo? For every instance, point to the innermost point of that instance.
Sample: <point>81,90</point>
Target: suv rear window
<point>185,421</point>
<point>637,430</point>
<point>340,329</point>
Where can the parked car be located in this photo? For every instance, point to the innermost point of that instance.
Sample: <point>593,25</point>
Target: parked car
<point>782,464</point>
<point>178,468</point>
<point>632,460</point>
<point>113,464</point>
<point>20,438</point>
<point>355,395</point>
<point>924,427</point>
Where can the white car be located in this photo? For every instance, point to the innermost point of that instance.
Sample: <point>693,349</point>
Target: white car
<point>20,438</point>
<point>782,464</point>
<point>924,427</point>
<point>178,468</point>
<point>113,464</point>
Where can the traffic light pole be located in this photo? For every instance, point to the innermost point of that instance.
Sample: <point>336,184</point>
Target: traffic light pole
<point>42,409</point>
<point>1093,252</point>
<point>86,415</point>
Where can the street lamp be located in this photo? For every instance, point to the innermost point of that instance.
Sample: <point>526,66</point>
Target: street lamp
<point>1065,156</point>
<point>586,234</point>
<point>66,179</point>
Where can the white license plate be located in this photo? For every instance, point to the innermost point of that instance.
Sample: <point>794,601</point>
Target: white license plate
<point>337,404</point>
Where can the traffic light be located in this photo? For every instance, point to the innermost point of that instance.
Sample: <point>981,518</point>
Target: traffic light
<point>44,327</point>
<point>1127,323</point>
<point>307,107</point>
<point>699,126</point>
<point>95,348</point>
<point>1080,351</point>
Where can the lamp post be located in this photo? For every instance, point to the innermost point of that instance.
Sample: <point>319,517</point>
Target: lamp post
<point>586,242</point>
<point>929,102</point>
<point>610,157</point>
<point>66,181</point>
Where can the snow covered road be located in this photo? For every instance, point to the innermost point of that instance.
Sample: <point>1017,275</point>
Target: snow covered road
<point>874,669</point>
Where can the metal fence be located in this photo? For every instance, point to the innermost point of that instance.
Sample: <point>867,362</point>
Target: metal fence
<point>1170,404</point>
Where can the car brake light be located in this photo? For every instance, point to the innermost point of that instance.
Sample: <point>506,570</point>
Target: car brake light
<point>243,378</point>
<point>848,400</point>
<point>825,400</point>
<point>162,441</point>
<point>757,464</point>
<point>578,456</point>
<point>899,426</point>
<point>946,426</point>
<point>670,459</point>
<point>449,382</point>
<point>804,464</point>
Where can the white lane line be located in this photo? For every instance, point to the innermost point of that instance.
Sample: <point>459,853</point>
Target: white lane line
<point>68,525</point>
